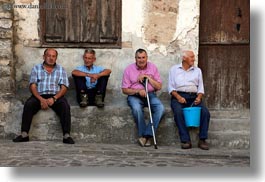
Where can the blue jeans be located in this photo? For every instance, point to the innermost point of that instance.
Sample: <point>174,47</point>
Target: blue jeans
<point>137,105</point>
<point>179,118</point>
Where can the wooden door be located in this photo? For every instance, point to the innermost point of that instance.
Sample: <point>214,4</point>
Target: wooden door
<point>224,53</point>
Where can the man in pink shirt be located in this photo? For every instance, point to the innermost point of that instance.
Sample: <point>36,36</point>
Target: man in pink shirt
<point>132,85</point>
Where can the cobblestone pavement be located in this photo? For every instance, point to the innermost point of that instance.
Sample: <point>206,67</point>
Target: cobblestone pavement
<point>57,154</point>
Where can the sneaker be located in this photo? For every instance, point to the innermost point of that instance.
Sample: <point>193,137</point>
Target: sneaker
<point>202,144</point>
<point>21,139</point>
<point>68,140</point>
<point>142,141</point>
<point>98,101</point>
<point>83,102</point>
<point>185,145</point>
<point>148,142</point>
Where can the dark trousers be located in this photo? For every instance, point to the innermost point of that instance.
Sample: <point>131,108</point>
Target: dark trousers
<point>100,89</point>
<point>179,117</point>
<point>60,107</point>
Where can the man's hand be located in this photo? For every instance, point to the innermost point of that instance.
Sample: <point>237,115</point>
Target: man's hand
<point>141,77</point>
<point>197,101</point>
<point>181,100</point>
<point>44,104</point>
<point>50,101</point>
<point>94,77</point>
<point>142,93</point>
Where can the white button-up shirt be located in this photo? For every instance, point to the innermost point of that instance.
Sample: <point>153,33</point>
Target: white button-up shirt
<point>185,80</point>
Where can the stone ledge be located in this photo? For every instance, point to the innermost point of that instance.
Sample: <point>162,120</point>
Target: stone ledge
<point>114,125</point>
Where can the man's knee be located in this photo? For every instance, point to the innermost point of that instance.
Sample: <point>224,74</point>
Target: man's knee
<point>161,109</point>
<point>136,109</point>
<point>205,111</point>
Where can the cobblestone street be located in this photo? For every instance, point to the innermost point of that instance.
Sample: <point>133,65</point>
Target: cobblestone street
<point>57,154</point>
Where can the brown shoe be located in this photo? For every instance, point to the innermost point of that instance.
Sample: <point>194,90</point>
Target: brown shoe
<point>148,142</point>
<point>203,145</point>
<point>142,141</point>
<point>98,101</point>
<point>185,145</point>
<point>84,99</point>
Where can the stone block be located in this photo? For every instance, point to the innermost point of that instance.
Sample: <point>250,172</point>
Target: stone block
<point>7,85</point>
<point>4,106</point>
<point>5,14</point>
<point>6,23</point>
<point>4,62</point>
<point>6,34</point>
<point>5,71</point>
<point>5,44</point>
<point>6,54</point>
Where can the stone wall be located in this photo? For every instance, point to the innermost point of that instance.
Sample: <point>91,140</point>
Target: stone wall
<point>7,72</point>
<point>163,28</point>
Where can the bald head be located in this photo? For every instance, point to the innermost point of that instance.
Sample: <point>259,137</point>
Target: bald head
<point>50,49</point>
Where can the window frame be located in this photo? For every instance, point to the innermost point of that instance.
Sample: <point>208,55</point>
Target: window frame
<point>115,45</point>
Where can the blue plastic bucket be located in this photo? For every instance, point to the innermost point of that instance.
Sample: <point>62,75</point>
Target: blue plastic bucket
<point>192,116</point>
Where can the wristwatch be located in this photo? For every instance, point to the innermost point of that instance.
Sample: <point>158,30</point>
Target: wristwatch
<point>54,99</point>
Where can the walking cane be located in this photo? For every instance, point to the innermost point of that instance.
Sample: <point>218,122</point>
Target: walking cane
<point>150,114</point>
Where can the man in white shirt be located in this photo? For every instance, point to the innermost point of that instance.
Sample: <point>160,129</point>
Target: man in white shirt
<point>185,85</point>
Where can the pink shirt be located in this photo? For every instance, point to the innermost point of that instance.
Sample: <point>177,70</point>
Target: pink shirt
<point>131,73</point>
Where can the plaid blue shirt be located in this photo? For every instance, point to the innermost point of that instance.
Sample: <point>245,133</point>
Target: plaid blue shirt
<point>48,83</point>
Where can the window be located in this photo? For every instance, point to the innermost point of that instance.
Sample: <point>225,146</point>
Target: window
<point>80,23</point>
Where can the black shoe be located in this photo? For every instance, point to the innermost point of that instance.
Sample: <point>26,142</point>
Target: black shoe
<point>68,140</point>
<point>21,139</point>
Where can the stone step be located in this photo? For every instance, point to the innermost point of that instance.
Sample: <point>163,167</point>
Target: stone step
<point>230,139</point>
<point>114,124</point>
<point>230,114</point>
<point>228,124</point>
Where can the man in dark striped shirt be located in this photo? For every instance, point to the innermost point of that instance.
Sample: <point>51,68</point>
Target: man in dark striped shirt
<point>48,85</point>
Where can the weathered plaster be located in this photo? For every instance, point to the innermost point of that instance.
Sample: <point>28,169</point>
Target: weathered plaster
<point>160,23</point>
<point>26,21</point>
<point>164,28</point>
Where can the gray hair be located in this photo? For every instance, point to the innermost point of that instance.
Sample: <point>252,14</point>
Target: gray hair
<point>90,51</point>
<point>184,53</point>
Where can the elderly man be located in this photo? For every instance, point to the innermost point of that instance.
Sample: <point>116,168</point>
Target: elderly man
<point>90,81</point>
<point>48,85</point>
<point>185,84</point>
<point>132,80</point>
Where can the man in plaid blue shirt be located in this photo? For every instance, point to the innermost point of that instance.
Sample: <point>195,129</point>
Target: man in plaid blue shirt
<point>48,85</point>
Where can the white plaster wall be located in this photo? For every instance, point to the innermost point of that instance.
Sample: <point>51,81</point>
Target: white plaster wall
<point>27,39</point>
<point>132,19</point>
<point>187,31</point>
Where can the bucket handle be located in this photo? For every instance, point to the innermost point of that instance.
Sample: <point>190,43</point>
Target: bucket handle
<point>192,104</point>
